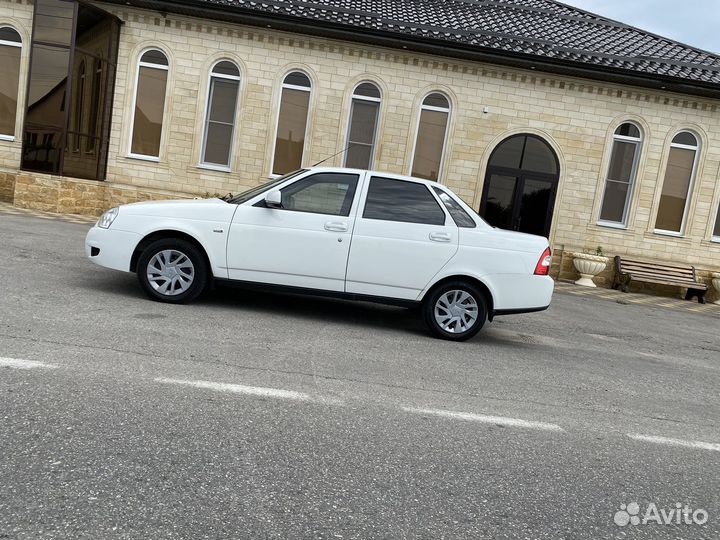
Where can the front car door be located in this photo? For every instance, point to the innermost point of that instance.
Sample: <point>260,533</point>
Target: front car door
<point>303,244</point>
<point>402,238</point>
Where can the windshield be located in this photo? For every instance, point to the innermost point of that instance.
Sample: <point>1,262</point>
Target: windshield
<point>257,190</point>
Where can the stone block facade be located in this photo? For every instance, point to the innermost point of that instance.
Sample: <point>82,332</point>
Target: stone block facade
<point>577,117</point>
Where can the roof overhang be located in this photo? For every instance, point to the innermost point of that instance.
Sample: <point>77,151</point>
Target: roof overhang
<point>238,15</point>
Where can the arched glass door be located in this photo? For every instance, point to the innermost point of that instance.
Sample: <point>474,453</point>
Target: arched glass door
<point>521,185</point>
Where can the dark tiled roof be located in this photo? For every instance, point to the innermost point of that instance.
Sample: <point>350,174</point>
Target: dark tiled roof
<point>546,30</point>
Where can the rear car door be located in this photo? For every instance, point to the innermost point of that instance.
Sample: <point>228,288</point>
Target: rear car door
<point>402,238</point>
<point>303,244</point>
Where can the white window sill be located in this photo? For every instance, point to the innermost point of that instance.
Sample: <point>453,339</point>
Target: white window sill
<point>612,225</point>
<point>8,138</point>
<point>669,233</point>
<point>210,167</point>
<point>715,239</point>
<point>154,159</point>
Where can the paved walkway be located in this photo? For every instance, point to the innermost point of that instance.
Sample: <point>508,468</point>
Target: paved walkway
<point>612,295</point>
<point>6,208</point>
<point>561,287</point>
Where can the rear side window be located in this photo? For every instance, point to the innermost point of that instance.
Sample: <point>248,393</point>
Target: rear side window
<point>461,218</point>
<point>323,193</point>
<point>398,200</point>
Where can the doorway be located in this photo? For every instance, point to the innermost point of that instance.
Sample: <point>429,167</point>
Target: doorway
<point>521,185</point>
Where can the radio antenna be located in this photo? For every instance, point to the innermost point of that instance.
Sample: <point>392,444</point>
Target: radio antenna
<point>330,157</point>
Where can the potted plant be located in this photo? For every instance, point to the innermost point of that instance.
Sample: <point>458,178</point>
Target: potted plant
<point>716,284</point>
<point>589,266</point>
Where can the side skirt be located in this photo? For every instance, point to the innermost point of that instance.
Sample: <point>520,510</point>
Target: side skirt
<point>287,289</point>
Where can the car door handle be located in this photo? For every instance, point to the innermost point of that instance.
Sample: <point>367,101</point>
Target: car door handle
<point>337,226</point>
<point>440,237</point>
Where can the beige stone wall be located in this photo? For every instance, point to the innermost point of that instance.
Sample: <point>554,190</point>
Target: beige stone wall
<point>7,187</point>
<point>73,196</point>
<point>577,117</point>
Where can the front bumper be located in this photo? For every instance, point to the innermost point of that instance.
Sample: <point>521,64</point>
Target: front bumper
<point>111,248</point>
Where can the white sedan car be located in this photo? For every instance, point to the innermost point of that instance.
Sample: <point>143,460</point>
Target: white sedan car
<point>343,232</point>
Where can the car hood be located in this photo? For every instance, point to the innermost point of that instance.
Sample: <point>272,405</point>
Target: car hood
<point>209,209</point>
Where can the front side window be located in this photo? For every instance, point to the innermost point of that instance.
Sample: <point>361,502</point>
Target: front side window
<point>621,175</point>
<point>677,183</point>
<point>461,218</point>
<point>149,107</point>
<point>292,123</point>
<point>323,193</point>
<point>364,113</point>
<point>220,114</point>
<point>400,200</point>
<point>431,135</point>
<point>10,49</point>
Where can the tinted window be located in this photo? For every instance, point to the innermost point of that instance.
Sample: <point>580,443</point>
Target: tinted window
<point>324,193</point>
<point>10,68</point>
<point>459,215</point>
<point>398,200</point>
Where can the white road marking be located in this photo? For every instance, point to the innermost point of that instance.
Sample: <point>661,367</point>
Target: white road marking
<point>17,363</point>
<point>250,390</point>
<point>676,442</point>
<point>497,420</point>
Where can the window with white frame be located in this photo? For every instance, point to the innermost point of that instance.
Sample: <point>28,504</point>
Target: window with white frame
<point>292,123</point>
<point>716,231</point>
<point>431,136</point>
<point>362,132</point>
<point>220,115</point>
<point>677,184</point>
<point>10,52</point>
<point>149,108</point>
<point>621,175</point>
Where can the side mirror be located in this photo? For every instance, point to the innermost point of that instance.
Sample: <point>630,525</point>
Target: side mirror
<point>273,199</point>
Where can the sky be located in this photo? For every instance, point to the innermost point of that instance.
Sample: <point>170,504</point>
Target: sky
<point>695,22</point>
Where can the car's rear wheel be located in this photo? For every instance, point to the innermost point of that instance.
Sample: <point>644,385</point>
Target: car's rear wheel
<point>172,270</point>
<point>455,310</point>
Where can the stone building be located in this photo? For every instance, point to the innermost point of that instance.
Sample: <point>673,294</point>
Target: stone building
<point>545,118</point>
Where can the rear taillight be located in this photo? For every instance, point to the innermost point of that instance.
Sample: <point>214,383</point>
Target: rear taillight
<point>543,265</point>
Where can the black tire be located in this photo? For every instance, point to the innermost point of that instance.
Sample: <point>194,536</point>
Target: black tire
<point>457,334</point>
<point>176,296</point>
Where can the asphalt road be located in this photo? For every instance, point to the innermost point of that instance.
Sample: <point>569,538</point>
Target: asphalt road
<point>250,415</point>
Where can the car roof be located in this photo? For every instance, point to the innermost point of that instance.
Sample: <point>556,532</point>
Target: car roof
<point>384,174</point>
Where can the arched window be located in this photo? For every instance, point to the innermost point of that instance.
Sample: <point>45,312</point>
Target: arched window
<point>78,111</point>
<point>149,108</point>
<point>520,185</point>
<point>677,184</point>
<point>431,135</point>
<point>363,126</point>
<point>220,114</point>
<point>292,123</point>
<point>621,175</point>
<point>10,49</point>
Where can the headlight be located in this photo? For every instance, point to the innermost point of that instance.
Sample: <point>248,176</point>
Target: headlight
<point>107,218</point>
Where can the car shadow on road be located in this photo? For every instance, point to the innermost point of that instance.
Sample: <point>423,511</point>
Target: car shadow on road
<point>276,304</point>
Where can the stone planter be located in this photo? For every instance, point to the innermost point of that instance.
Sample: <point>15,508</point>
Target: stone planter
<point>588,266</point>
<point>716,284</point>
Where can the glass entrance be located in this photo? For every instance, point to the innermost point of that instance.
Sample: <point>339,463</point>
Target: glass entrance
<point>521,185</point>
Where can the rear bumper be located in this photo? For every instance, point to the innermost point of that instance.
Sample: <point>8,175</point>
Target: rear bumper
<point>111,248</point>
<point>501,312</point>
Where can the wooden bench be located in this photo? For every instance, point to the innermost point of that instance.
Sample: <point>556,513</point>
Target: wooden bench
<point>627,270</point>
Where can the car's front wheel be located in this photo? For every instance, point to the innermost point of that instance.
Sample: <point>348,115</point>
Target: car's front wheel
<point>455,310</point>
<point>172,270</point>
